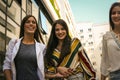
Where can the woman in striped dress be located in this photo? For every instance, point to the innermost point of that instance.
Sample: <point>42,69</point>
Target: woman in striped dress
<point>65,58</point>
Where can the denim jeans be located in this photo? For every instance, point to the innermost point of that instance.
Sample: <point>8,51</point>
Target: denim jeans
<point>115,75</point>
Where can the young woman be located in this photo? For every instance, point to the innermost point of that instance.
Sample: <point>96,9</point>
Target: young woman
<point>24,56</point>
<point>111,46</point>
<point>65,57</point>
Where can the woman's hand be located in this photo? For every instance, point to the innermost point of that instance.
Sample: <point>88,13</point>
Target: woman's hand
<point>58,75</point>
<point>65,71</point>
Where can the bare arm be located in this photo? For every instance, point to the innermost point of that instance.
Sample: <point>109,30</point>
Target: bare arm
<point>56,75</point>
<point>8,74</point>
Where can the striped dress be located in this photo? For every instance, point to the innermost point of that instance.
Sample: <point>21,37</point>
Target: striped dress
<point>77,60</point>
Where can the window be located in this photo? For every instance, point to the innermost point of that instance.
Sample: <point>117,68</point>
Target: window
<point>81,37</point>
<point>14,12</point>
<point>90,36</point>
<point>29,7</point>
<point>2,7</point>
<point>8,2</point>
<point>81,30</point>
<point>90,43</point>
<point>89,29</point>
<point>83,44</point>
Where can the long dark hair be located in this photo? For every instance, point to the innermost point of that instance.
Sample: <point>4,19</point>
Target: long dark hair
<point>110,13</point>
<point>53,42</point>
<point>37,34</point>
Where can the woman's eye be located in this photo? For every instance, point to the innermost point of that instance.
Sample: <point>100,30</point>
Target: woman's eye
<point>33,22</point>
<point>113,13</point>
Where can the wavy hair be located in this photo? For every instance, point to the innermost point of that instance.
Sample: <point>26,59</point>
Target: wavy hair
<point>53,42</point>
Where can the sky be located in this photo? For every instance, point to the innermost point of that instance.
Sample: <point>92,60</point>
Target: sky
<point>95,11</point>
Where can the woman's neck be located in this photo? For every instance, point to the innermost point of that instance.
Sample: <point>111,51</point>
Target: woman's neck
<point>59,46</point>
<point>28,40</point>
<point>117,30</point>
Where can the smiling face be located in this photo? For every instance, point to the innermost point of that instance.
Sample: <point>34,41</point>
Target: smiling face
<point>30,26</point>
<point>115,16</point>
<point>60,32</point>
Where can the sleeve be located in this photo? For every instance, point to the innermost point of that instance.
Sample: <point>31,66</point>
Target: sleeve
<point>104,59</point>
<point>88,69</point>
<point>8,55</point>
<point>49,68</point>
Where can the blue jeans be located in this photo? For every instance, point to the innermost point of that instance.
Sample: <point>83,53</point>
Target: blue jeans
<point>115,75</point>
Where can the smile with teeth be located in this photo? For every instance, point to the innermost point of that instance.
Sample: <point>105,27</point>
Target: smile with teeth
<point>116,20</point>
<point>31,28</point>
<point>60,35</point>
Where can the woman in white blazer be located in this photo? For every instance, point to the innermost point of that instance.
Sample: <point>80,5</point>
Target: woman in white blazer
<point>24,56</point>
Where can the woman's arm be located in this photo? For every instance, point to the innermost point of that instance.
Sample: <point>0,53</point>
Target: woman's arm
<point>8,74</point>
<point>61,72</point>
<point>86,64</point>
<point>56,75</point>
<point>64,71</point>
<point>7,61</point>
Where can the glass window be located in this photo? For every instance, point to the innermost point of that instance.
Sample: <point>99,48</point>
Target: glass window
<point>3,6</point>
<point>45,26</point>
<point>81,30</point>
<point>8,2</point>
<point>89,29</point>
<point>14,12</point>
<point>12,28</point>
<point>81,37</point>
<point>24,5</point>
<point>2,18</point>
<point>23,14</point>
<point>43,22</point>
<point>90,36</point>
<point>29,7</point>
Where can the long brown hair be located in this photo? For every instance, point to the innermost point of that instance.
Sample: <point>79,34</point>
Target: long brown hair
<point>110,13</point>
<point>53,42</point>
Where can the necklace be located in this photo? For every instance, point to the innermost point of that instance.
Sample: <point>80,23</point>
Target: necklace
<point>116,35</point>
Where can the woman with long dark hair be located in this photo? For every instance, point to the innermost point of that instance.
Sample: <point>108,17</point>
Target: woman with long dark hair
<point>24,56</point>
<point>111,46</point>
<point>65,58</point>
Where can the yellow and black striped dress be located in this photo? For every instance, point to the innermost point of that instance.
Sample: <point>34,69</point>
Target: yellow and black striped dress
<point>77,60</point>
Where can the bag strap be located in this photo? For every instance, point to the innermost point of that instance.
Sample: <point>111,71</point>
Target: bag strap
<point>118,43</point>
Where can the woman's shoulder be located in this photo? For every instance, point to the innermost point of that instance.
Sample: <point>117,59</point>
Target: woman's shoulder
<point>107,35</point>
<point>75,39</point>
<point>41,44</point>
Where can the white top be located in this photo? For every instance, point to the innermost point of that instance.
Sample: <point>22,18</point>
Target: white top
<point>110,55</point>
<point>11,52</point>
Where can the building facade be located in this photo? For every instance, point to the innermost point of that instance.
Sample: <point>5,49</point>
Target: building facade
<point>91,37</point>
<point>99,31</point>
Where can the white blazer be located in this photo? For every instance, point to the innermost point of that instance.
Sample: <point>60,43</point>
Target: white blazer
<point>11,52</point>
